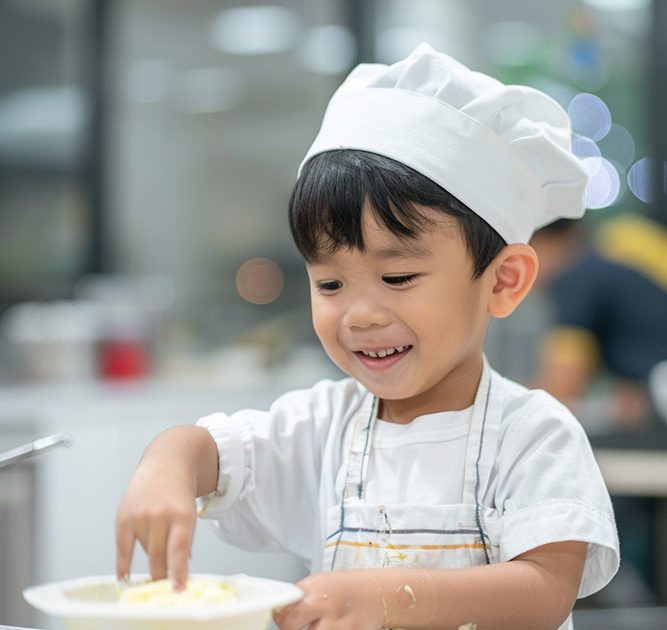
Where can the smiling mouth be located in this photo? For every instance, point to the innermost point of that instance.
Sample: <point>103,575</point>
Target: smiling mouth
<point>384,352</point>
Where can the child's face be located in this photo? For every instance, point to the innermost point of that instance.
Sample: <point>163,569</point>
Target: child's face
<point>414,301</point>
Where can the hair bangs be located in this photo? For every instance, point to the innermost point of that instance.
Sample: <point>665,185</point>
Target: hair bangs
<point>327,203</point>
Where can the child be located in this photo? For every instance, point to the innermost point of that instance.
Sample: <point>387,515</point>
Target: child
<point>438,491</point>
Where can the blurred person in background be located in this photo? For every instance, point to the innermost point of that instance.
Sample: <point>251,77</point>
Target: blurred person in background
<point>608,292</point>
<point>609,298</point>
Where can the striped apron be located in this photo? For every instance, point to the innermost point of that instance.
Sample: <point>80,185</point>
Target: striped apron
<point>367,535</point>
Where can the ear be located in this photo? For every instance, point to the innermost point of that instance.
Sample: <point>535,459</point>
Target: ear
<point>514,270</point>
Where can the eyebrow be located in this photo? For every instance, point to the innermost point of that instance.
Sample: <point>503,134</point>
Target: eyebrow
<point>404,250</point>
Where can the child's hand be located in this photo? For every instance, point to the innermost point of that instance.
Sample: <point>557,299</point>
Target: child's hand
<point>158,510</point>
<point>336,600</point>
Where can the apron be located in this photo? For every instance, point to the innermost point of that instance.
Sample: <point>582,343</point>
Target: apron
<point>362,535</point>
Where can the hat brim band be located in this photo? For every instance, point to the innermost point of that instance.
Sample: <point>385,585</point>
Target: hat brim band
<point>466,158</point>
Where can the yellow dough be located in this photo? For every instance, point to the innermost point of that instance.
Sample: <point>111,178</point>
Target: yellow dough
<point>161,593</point>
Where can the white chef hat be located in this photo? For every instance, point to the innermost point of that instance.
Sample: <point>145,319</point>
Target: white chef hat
<point>503,150</point>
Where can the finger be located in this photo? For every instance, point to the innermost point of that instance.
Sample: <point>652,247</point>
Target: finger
<point>295,616</point>
<point>156,549</point>
<point>279,612</point>
<point>179,545</point>
<point>125,540</point>
<point>124,552</point>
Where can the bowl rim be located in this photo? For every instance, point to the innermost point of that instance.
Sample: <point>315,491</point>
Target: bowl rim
<point>51,599</point>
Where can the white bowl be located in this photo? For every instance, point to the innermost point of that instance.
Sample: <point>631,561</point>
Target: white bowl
<point>91,603</point>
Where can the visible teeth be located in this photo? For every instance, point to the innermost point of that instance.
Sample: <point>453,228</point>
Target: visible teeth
<point>383,353</point>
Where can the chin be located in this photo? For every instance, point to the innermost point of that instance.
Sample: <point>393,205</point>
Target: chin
<point>386,392</point>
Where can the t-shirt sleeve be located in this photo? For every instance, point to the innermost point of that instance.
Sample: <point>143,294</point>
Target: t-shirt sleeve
<point>269,470</point>
<point>551,490</point>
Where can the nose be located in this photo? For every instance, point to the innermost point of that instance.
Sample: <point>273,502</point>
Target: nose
<point>365,311</point>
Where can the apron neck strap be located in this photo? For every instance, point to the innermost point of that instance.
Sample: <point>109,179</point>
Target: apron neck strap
<point>482,437</point>
<point>357,463</point>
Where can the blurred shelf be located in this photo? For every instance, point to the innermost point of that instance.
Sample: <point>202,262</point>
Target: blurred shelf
<point>640,618</point>
<point>634,472</point>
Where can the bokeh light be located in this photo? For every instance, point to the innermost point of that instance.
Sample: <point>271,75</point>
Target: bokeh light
<point>256,30</point>
<point>584,147</point>
<point>618,145</point>
<point>639,179</point>
<point>590,116</point>
<point>604,183</point>
<point>618,5</point>
<point>259,281</point>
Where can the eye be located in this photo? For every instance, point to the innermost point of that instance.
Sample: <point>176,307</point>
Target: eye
<point>401,280</point>
<point>329,286</point>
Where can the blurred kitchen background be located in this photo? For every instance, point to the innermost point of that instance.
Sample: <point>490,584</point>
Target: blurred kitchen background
<point>147,276</point>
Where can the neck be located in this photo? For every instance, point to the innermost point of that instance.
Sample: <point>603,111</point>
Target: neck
<point>457,392</point>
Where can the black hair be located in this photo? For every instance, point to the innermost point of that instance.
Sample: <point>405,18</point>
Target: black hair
<point>325,207</point>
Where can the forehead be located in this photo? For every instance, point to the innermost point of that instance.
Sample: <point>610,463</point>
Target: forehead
<point>379,240</point>
<point>380,243</point>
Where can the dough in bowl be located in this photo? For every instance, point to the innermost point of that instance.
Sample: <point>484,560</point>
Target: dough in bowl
<point>161,593</point>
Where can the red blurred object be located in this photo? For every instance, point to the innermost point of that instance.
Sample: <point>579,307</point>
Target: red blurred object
<point>123,359</point>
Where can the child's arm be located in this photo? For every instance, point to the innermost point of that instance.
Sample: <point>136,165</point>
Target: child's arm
<point>535,591</point>
<point>158,508</point>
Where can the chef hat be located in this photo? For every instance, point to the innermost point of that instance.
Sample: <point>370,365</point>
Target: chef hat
<point>503,150</point>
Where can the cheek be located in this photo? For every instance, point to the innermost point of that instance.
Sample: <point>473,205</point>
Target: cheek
<point>325,324</point>
<point>448,314</point>
<point>324,319</point>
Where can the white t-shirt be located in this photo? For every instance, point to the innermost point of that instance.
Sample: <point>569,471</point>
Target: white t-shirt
<point>280,472</point>
<point>402,470</point>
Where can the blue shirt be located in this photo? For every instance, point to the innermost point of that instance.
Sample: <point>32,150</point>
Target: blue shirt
<point>624,309</point>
